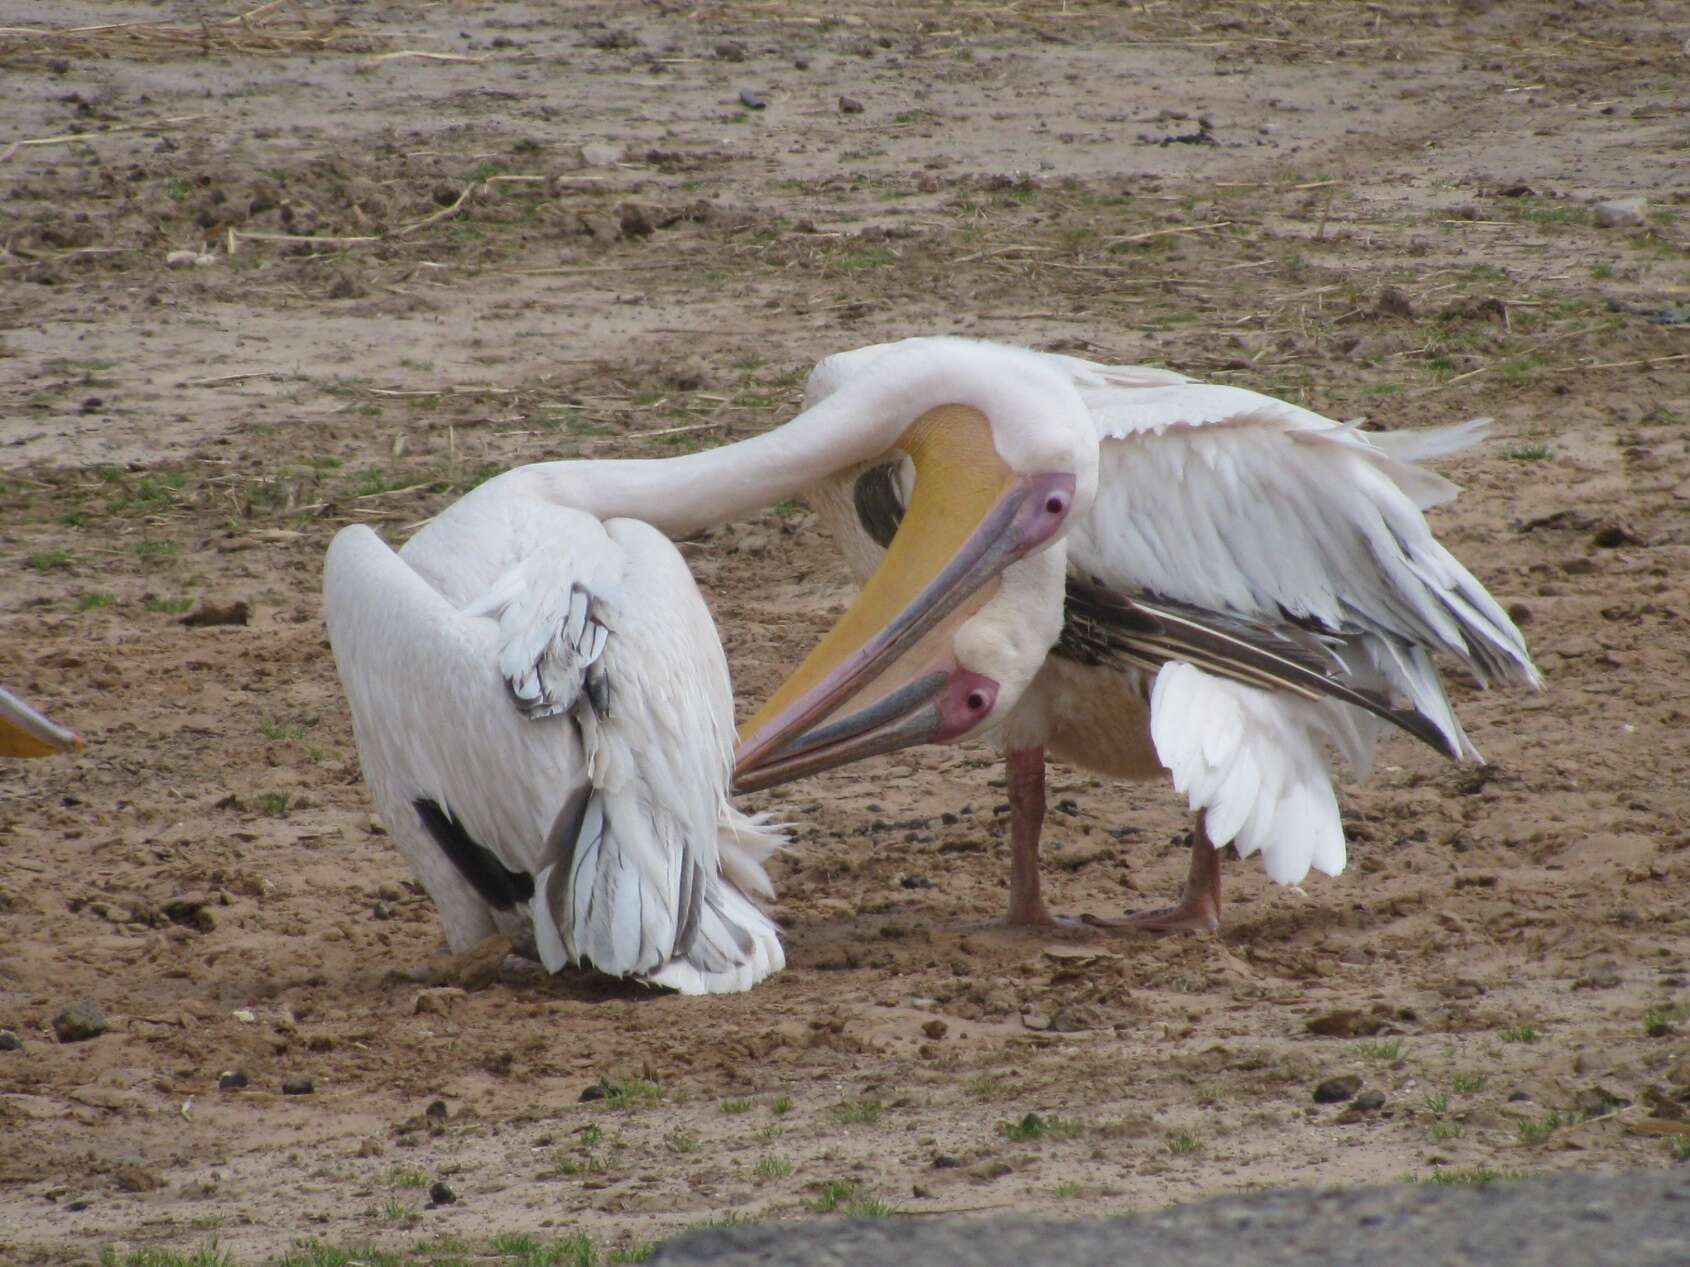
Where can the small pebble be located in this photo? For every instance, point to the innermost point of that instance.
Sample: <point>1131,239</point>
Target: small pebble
<point>298,1086</point>
<point>1620,213</point>
<point>436,1110</point>
<point>935,1029</point>
<point>9,1041</point>
<point>1369,1101</point>
<point>441,1194</point>
<point>850,105</point>
<point>231,1080</point>
<point>80,1021</point>
<point>750,100</point>
<point>594,1092</point>
<point>730,50</point>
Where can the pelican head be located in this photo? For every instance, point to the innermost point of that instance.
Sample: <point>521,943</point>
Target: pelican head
<point>26,733</point>
<point>942,639</point>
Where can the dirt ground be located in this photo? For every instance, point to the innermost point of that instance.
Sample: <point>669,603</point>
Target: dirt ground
<point>259,280</point>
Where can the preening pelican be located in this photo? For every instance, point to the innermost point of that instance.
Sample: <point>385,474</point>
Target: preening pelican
<point>1251,584</point>
<point>542,708</point>
<point>26,733</point>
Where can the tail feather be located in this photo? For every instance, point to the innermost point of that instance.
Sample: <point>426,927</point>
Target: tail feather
<point>1264,784</point>
<point>679,925</point>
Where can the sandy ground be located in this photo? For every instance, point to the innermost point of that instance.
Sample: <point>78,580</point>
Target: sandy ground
<point>571,238</point>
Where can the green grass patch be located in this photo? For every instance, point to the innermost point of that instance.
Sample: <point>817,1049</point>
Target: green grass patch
<point>1033,1126</point>
<point>736,1106</point>
<point>1534,1130</point>
<point>1521,1034</point>
<point>206,1255</point>
<point>168,606</point>
<point>1386,1051</point>
<point>1182,1143</point>
<point>49,560</point>
<point>1659,1022</point>
<point>772,1166</point>
<point>628,1094</point>
<point>1466,1083</point>
<point>846,1196</point>
<point>273,804</point>
<point>857,1113</point>
<point>1474,1176</point>
<point>95,598</point>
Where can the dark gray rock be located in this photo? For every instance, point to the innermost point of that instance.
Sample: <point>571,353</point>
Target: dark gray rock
<point>1573,1220</point>
<point>79,1022</point>
<point>1337,1090</point>
<point>9,1041</point>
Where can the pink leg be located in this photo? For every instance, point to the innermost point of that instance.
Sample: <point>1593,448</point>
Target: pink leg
<point>1199,908</point>
<point>1026,819</point>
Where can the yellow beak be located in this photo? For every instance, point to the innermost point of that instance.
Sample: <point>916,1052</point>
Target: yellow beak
<point>26,733</point>
<point>888,657</point>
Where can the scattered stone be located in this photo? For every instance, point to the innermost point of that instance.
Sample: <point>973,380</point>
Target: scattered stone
<point>1520,1097</point>
<point>299,1086</point>
<point>1369,1101</point>
<point>1596,1101</point>
<point>436,1000</point>
<point>1337,1090</point>
<point>347,285</point>
<point>211,614</point>
<point>944,1161</point>
<point>1345,1024</point>
<point>1519,613</point>
<point>79,1022</point>
<point>850,105</point>
<point>1394,303</point>
<point>1035,1021</point>
<point>441,1194</point>
<point>935,1029</point>
<point>635,220</point>
<point>750,100</point>
<point>1517,191</point>
<point>802,63</point>
<point>136,1178</point>
<point>730,50</point>
<point>9,1041</point>
<point>1611,536</point>
<point>189,259</point>
<point>436,1111</point>
<point>231,1080</point>
<point>986,1171</point>
<point>920,1191</point>
<point>594,1092</point>
<point>601,154</point>
<point>1620,213</point>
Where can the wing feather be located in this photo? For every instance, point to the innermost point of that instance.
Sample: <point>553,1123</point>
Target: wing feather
<point>478,666</point>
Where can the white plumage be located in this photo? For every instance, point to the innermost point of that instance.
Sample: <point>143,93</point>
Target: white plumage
<point>528,681</point>
<point>1233,513</point>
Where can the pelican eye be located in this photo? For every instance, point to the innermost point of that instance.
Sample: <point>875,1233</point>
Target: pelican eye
<point>976,701</point>
<point>1055,504</point>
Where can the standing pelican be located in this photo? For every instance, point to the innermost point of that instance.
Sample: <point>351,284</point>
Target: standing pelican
<point>1251,584</point>
<point>26,733</point>
<point>542,709</point>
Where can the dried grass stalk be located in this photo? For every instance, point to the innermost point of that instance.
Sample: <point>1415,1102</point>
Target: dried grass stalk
<point>280,26</point>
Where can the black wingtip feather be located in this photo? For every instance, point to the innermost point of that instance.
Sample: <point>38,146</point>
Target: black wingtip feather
<point>497,884</point>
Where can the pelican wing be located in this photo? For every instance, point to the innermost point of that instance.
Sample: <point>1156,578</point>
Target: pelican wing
<point>1245,506</point>
<point>551,750</point>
